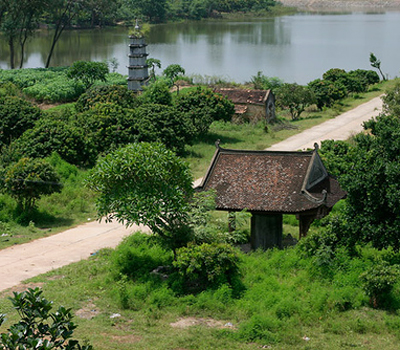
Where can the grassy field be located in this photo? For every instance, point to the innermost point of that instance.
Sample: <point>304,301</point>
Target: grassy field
<point>289,301</point>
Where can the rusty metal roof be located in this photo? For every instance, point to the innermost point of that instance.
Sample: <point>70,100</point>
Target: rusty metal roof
<point>274,182</point>
<point>242,96</point>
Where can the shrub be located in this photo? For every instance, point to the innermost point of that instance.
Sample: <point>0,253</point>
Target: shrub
<point>378,282</point>
<point>158,93</point>
<point>262,82</point>
<point>327,92</point>
<point>48,136</point>
<point>202,106</point>
<point>16,116</point>
<point>115,94</point>
<point>138,255</point>
<point>88,72</point>
<point>29,179</point>
<point>39,328</point>
<point>8,89</point>
<point>207,266</point>
<point>160,123</point>
<point>107,126</point>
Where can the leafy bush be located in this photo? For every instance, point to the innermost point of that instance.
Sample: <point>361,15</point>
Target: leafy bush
<point>158,93</point>
<point>29,179</point>
<point>378,282</point>
<point>8,89</point>
<point>138,255</point>
<point>207,266</point>
<point>115,94</point>
<point>39,328</point>
<point>295,98</point>
<point>201,106</point>
<point>16,116</point>
<point>88,72</point>
<point>327,92</point>
<point>51,135</point>
<point>160,123</point>
<point>107,126</point>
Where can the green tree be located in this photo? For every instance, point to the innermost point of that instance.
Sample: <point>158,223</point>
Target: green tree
<point>153,63</point>
<point>295,98</point>
<point>88,72</point>
<point>39,328</point>
<point>16,116</point>
<point>376,64</point>
<point>20,19</point>
<point>202,106</point>
<point>28,180</point>
<point>145,183</point>
<point>172,72</point>
<point>327,92</point>
<point>161,123</point>
<point>372,182</point>
<point>60,13</point>
<point>157,92</point>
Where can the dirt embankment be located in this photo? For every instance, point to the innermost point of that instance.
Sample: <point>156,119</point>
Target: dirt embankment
<point>373,5</point>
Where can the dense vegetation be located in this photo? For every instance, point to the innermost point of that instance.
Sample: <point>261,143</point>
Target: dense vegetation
<point>192,266</point>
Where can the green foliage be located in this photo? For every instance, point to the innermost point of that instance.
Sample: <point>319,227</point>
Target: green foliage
<point>138,255</point>
<point>8,89</point>
<point>16,116</point>
<point>207,266</point>
<point>119,95</point>
<point>147,184</point>
<point>173,71</point>
<point>88,72</point>
<point>160,123</point>
<point>157,93</point>
<point>337,156</point>
<point>51,135</point>
<point>202,106</point>
<point>391,100</point>
<point>56,90</point>
<point>28,180</point>
<point>378,281</point>
<point>376,64</point>
<point>327,92</point>
<point>262,82</point>
<point>294,97</point>
<point>39,328</point>
<point>107,126</point>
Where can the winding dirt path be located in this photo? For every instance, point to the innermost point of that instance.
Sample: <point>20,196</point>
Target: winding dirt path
<point>21,262</point>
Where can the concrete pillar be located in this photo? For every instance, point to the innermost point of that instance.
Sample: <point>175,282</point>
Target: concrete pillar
<point>266,231</point>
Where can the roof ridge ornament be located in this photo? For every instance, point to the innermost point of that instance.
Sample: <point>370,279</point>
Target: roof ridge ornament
<point>316,146</point>
<point>217,144</point>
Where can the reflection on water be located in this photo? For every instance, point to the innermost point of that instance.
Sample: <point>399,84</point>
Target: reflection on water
<point>295,48</point>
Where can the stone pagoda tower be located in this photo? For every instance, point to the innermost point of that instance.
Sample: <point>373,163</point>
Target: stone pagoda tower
<point>138,69</point>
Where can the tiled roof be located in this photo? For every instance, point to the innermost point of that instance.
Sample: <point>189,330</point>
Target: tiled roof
<point>275,182</point>
<point>241,96</point>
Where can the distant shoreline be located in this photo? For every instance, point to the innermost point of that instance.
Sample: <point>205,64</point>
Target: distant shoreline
<point>343,5</point>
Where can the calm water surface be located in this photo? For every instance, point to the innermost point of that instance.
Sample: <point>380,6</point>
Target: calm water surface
<point>296,48</point>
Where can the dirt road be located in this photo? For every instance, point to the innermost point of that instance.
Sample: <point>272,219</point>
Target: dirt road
<point>21,262</point>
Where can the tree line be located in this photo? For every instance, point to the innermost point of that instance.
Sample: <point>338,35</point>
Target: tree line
<point>19,19</point>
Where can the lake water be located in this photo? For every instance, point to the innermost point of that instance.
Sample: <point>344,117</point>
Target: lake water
<point>296,48</point>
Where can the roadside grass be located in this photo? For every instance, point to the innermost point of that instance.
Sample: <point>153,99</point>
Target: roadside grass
<point>289,302</point>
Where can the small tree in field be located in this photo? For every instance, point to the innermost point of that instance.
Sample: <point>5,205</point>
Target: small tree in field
<point>172,72</point>
<point>295,98</point>
<point>28,180</point>
<point>145,183</point>
<point>39,328</point>
<point>88,72</point>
